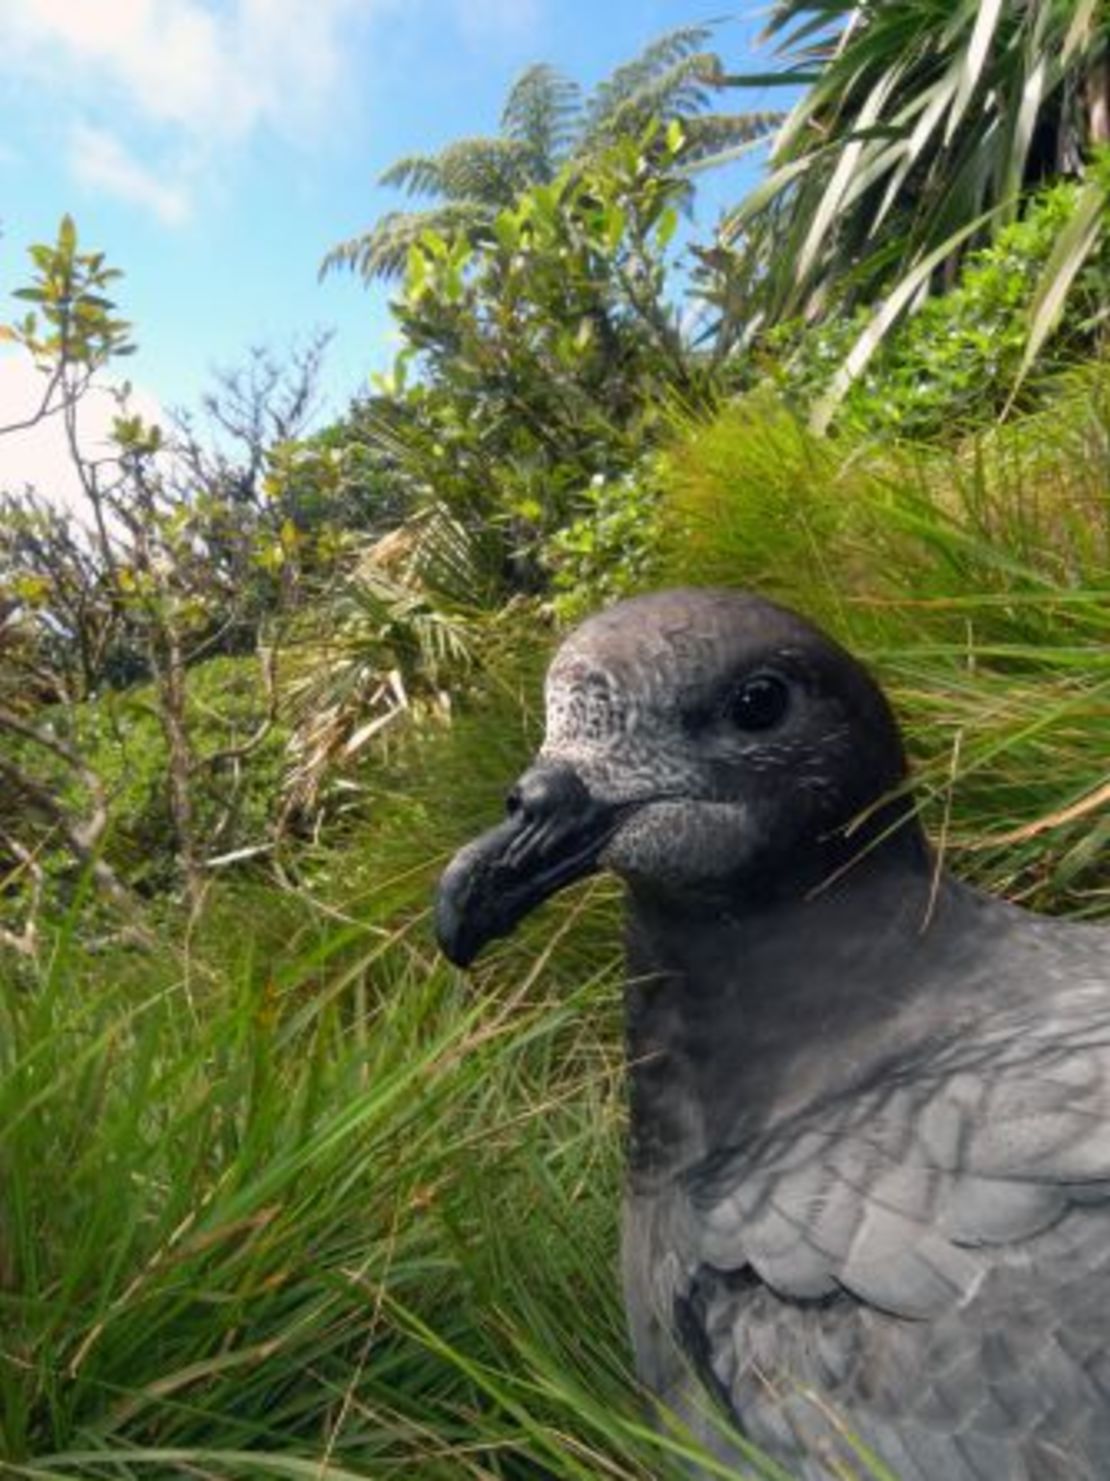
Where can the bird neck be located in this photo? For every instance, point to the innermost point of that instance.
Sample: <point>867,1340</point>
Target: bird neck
<point>740,1015</point>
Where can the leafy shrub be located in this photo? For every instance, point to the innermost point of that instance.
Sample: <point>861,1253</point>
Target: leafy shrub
<point>610,548</point>
<point>120,737</point>
<point>952,365</point>
<point>547,350</point>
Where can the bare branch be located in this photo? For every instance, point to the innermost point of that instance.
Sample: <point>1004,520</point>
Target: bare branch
<point>80,839</point>
<point>44,409</point>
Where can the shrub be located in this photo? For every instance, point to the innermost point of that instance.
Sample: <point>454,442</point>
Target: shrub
<point>610,548</point>
<point>953,365</point>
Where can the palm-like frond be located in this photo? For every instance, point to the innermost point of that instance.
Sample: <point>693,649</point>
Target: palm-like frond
<point>682,90</point>
<point>917,122</point>
<point>712,138</point>
<point>472,178</point>
<point>393,641</point>
<point>546,123</point>
<point>383,251</point>
<point>415,174</point>
<point>920,135</point>
<point>675,60</point>
<point>491,171</point>
<point>542,112</point>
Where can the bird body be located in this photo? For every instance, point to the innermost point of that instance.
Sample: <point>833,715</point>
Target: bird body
<point>868,1205</point>
<point>894,1218</point>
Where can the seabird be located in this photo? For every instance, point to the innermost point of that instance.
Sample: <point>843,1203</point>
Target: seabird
<point>868,1202</point>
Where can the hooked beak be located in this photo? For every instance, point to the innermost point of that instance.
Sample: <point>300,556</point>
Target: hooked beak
<point>553,835</point>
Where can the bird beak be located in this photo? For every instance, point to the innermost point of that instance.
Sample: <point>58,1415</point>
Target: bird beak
<point>553,835</point>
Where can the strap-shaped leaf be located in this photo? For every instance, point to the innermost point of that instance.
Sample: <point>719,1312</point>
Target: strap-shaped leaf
<point>1073,247</point>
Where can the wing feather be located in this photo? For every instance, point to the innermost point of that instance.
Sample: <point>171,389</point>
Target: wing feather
<point>920,1257</point>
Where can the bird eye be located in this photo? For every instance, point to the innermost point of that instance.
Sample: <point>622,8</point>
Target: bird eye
<point>759,702</point>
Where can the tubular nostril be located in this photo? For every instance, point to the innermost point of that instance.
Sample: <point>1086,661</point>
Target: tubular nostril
<point>545,791</point>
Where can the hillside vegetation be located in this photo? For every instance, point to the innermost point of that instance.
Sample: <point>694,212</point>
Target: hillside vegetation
<point>281,1193</point>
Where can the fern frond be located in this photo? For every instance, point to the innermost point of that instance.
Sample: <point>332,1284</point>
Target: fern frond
<point>713,138</point>
<point>677,52</point>
<point>416,174</point>
<point>547,124</point>
<point>543,112</point>
<point>683,90</point>
<point>382,252</point>
<point>493,170</point>
<point>489,171</point>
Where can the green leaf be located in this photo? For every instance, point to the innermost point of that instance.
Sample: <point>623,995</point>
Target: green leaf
<point>765,193</point>
<point>614,222</point>
<point>986,21</point>
<point>1080,31</point>
<point>1073,247</point>
<point>1024,124</point>
<point>506,229</point>
<point>665,230</point>
<point>883,320</point>
<point>791,77</point>
<point>842,177</point>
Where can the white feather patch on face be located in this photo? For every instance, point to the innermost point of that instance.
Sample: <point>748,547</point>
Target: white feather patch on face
<point>585,704</point>
<point>596,726</point>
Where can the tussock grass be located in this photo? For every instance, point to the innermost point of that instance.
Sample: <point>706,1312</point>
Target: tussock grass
<point>342,1211</point>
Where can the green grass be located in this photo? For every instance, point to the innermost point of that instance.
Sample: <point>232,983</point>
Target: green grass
<point>304,1208</point>
<point>290,1198</point>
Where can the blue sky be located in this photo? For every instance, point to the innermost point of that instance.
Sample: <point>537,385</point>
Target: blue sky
<point>216,148</point>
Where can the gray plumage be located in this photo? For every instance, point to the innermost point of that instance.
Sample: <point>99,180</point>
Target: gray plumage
<point>869,1160</point>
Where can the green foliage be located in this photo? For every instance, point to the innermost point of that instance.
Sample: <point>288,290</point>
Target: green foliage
<point>180,551</point>
<point>296,1200</point>
<point>545,349</point>
<point>263,1218</point>
<point>918,134</point>
<point>296,1196</point>
<point>610,549</point>
<point>547,125</point>
<point>323,495</point>
<point>955,363</point>
<point>282,1195</point>
<point>73,320</point>
<point>122,740</point>
<point>404,633</point>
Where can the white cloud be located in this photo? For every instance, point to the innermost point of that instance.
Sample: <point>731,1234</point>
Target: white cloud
<point>183,82</point>
<point>196,76</point>
<point>214,72</point>
<point>99,161</point>
<point>40,455</point>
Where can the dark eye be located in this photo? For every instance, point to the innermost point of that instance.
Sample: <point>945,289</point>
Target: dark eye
<point>759,702</point>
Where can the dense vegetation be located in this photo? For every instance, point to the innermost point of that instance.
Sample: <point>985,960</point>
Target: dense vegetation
<point>283,1195</point>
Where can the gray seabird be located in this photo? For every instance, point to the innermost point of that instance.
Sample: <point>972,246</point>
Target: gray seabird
<point>869,1188</point>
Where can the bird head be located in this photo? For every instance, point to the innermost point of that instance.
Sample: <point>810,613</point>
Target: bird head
<point>703,744</point>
